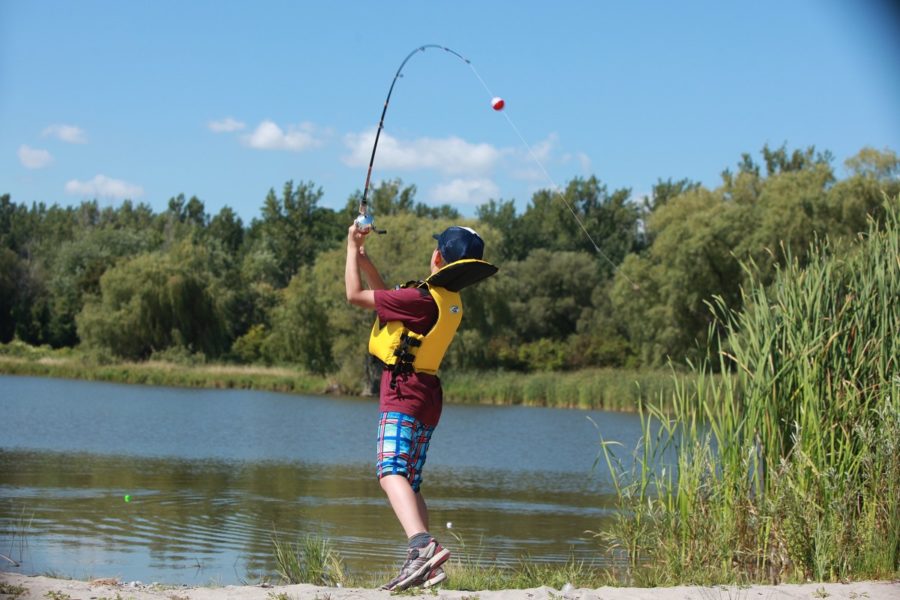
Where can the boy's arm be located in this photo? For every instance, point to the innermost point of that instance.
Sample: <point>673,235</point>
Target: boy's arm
<point>373,277</point>
<point>356,259</point>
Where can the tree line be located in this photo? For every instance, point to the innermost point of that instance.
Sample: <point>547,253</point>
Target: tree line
<point>632,288</point>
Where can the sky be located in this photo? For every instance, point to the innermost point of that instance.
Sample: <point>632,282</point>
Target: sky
<point>225,100</point>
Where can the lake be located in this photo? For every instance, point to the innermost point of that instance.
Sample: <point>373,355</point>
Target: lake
<point>213,474</point>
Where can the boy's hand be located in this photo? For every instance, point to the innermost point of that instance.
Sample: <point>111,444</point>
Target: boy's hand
<point>356,238</point>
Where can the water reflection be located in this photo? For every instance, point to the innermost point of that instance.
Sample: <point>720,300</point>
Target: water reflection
<point>205,508</point>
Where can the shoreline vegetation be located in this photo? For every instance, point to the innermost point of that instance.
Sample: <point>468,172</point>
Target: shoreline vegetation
<point>592,389</point>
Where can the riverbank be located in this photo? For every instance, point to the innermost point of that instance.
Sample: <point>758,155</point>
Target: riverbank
<point>594,389</point>
<point>20,587</point>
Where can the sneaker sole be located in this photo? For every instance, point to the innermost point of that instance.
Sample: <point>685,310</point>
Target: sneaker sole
<point>436,579</point>
<point>434,562</point>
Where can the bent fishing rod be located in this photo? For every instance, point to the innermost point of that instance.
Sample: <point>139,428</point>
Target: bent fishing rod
<point>365,221</point>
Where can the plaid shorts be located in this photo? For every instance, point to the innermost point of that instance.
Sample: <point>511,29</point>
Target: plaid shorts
<point>402,445</point>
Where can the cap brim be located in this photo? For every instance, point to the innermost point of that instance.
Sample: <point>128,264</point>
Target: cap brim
<point>437,236</point>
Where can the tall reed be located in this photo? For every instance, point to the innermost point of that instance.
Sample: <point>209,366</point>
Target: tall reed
<point>790,470</point>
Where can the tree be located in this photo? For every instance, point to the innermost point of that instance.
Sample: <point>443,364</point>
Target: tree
<point>295,229</point>
<point>10,276</point>
<point>526,316</point>
<point>393,198</point>
<point>704,242</point>
<point>228,229</point>
<point>156,301</point>
<point>300,332</point>
<point>663,191</point>
<point>501,215</point>
<point>874,174</point>
<point>661,296</point>
<point>76,271</point>
<point>583,217</point>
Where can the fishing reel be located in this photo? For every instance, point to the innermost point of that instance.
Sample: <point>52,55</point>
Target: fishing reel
<point>365,222</point>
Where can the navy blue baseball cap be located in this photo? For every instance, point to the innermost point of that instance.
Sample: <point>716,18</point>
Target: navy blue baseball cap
<point>457,243</point>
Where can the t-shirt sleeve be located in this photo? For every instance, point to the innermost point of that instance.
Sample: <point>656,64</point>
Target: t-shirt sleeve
<point>413,306</point>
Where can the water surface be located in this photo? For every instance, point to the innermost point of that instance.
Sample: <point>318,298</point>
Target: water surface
<point>212,474</point>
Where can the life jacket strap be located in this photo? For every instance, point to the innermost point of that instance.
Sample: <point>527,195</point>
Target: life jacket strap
<point>404,356</point>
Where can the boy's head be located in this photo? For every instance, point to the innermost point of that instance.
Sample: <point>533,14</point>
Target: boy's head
<point>457,243</point>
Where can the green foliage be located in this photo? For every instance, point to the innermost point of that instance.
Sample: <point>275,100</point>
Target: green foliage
<point>156,301</point>
<point>300,332</point>
<point>294,229</point>
<point>610,219</point>
<point>789,471</point>
<point>701,237</point>
<point>77,269</point>
<point>312,560</point>
<point>393,198</point>
<point>248,348</point>
<point>10,278</point>
<point>227,229</point>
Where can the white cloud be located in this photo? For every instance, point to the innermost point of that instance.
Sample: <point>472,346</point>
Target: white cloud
<point>544,149</point>
<point>66,133</point>
<point>102,186</point>
<point>34,158</point>
<point>226,125</point>
<point>450,155</point>
<point>584,160</point>
<point>269,136</point>
<point>465,191</point>
<point>534,162</point>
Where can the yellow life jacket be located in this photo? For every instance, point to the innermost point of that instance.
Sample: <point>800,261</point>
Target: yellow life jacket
<point>404,351</point>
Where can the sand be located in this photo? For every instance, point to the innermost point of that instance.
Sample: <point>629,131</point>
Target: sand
<point>47,588</point>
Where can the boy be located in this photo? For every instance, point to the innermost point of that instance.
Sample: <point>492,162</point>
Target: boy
<point>414,327</point>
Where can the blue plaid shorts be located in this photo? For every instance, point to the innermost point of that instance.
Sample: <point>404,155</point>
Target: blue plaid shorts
<point>402,446</point>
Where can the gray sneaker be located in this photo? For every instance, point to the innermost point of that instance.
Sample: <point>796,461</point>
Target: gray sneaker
<point>421,566</point>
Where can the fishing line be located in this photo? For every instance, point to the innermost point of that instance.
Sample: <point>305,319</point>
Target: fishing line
<point>365,219</point>
<point>556,189</point>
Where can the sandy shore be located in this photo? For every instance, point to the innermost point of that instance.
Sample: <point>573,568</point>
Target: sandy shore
<point>44,588</point>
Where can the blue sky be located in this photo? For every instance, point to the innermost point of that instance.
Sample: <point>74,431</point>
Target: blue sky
<point>225,100</point>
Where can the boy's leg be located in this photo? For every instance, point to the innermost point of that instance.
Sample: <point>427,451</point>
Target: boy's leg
<point>409,506</point>
<point>423,508</point>
<point>403,444</point>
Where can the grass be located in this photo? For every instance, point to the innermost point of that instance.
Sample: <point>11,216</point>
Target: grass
<point>595,389</point>
<point>13,591</point>
<point>526,574</point>
<point>312,560</point>
<point>315,560</point>
<point>790,471</point>
<point>17,358</point>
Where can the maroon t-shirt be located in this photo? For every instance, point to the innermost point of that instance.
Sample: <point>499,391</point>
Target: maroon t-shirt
<point>418,395</point>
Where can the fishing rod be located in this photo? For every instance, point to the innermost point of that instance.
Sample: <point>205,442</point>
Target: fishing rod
<point>365,221</point>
